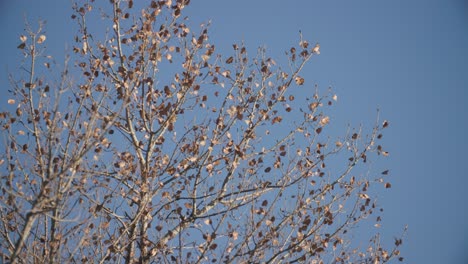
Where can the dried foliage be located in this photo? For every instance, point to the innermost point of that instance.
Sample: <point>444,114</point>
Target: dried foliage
<point>152,148</point>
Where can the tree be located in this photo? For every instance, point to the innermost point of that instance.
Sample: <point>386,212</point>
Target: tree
<point>150,147</point>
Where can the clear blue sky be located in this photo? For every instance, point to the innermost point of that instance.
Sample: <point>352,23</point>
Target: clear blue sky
<point>408,58</point>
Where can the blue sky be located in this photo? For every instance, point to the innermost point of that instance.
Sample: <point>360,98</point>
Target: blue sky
<point>407,58</point>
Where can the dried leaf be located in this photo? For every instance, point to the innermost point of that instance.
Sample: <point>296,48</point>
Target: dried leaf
<point>234,235</point>
<point>85,47</point>
<point>23,38</point>
<point>398,242</point>
<point>324,121</point>
<point>41,39</point>
<point>277,119</point>
<point>209,167</point>
<point>313,106</point>
<point>316,49</point>
<point>226,73</point>
<point>385,124</point>
<point>299,80</point>
<point>205,57</point>
<point>363,196</point>
<point>11,101</point>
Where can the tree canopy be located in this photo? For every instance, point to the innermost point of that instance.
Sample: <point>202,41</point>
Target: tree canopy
<point>150,147</point>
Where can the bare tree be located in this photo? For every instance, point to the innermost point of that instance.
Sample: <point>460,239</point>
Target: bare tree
<point>150,147</point>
